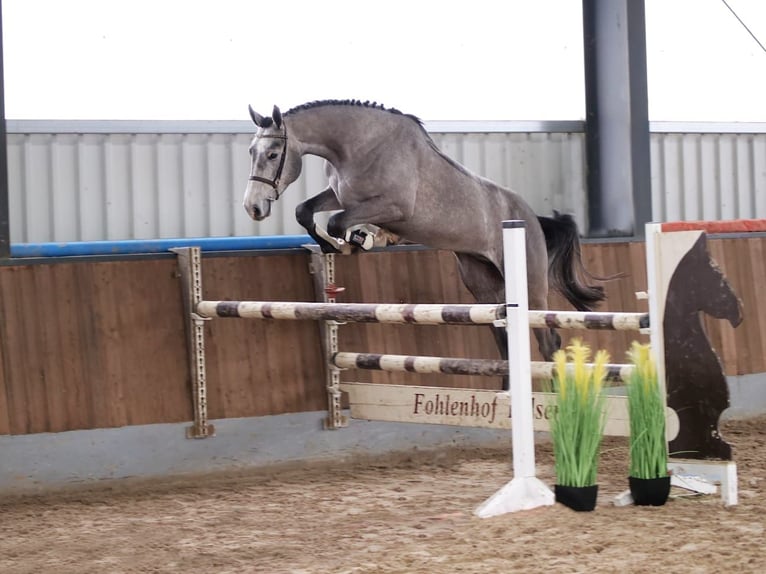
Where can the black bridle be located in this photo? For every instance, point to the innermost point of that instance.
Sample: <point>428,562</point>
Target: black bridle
<point>274,182</point>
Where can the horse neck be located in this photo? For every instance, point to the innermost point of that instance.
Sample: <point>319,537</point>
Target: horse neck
<point>337,133</point>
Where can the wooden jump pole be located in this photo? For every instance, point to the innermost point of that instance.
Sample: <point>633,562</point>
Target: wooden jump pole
<point>463,314</point>
<point>423,314</point>
<point>541,371</point>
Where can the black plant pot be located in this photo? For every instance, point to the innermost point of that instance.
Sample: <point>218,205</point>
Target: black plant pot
<point>580,498</point>
<point>649,491</point>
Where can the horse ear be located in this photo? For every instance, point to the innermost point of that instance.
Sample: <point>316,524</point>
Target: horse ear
<point>257,118</point>
<point>276,115</point>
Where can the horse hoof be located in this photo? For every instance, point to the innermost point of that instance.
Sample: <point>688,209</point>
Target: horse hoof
<point>337,248</point>
<point>328,248</point>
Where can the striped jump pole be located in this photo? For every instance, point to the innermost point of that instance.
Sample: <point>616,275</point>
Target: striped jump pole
<point>356,312</point>
<point>541,371</point>
<point>590,320</point>
<point>424,314</point>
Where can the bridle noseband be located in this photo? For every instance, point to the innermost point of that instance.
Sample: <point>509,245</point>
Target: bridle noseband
<point>274,182</point>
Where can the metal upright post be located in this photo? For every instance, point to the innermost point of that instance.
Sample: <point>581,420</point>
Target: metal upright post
<point>5,228</point>
<point>616,118</point>
<point>322,267</point>
<point>190,267</point>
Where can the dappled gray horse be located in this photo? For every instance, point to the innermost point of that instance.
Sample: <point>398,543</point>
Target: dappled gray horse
<point>384,169</point>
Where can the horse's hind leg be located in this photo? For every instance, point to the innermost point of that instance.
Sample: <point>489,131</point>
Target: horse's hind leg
<point>548,341</point>
<point>485,282</point>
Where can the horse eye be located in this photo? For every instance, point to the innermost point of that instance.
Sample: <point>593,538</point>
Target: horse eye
<point>272,155</point>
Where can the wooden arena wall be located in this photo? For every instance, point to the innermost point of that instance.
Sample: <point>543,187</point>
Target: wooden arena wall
<point>98,344</point>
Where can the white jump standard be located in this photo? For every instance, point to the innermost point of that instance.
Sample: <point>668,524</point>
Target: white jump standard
<point>525,490</point>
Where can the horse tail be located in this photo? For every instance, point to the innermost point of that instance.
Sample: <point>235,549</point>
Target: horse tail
<point>566,270</point>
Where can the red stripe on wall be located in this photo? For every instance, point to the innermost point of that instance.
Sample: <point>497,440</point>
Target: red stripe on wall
<point>731,226</point>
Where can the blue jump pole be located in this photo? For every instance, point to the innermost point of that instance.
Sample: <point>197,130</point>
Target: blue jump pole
<point>140,246</point>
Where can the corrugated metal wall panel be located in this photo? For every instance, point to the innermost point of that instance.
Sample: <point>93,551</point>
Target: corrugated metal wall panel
<point>759,175</point>
<point>708,176</point>
<point>71,186</point>
<point>170,185</point>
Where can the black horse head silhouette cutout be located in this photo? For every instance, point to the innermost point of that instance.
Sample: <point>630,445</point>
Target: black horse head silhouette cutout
<point>696,385</point>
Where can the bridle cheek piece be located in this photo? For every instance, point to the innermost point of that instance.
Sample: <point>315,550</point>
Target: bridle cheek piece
<point>274,183</point>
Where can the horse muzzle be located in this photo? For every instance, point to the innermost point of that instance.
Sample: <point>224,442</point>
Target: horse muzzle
<point>259,210</point>
<point>257,205</point>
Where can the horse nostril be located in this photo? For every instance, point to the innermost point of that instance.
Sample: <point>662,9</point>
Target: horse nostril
<point>256,212</point>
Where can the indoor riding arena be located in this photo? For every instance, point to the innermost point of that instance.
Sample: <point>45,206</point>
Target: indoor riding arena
<point>322,340</point>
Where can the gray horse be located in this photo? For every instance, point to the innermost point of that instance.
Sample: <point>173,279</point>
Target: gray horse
<point>384,169</point>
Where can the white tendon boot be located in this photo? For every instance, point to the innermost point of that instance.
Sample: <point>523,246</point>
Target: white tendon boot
<point>361,236</point>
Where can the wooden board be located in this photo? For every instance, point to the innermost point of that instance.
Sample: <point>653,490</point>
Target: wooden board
<point>262,367</point>
<point>92,345</point>
<point>101,344</point>
<point>470,407</point>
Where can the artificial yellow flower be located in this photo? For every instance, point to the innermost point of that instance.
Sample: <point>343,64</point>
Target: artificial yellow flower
<point>560,361</point>
<point>579,355</point>
<point>599,370</point>
<point>640,356</point>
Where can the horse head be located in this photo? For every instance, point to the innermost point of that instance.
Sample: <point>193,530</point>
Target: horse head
<point>274,164</point>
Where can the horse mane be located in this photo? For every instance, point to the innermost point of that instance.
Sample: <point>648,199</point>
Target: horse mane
<point>376,106</point>
<point>356,103</point>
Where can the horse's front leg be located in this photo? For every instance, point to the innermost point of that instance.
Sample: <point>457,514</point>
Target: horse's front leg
<point>352,224</point>
<point>304,214</point>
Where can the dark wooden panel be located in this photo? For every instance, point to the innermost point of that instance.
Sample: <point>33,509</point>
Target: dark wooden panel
<point>5,415</point>
<point>751,290</point>
<point>40,337</point>
<point>22,349</point>
<point>133,347</point>
<point>144,350</point>
<point>742,349</point>
<point>262,367</point>
<point>91,345</point>
<point>101,344</point>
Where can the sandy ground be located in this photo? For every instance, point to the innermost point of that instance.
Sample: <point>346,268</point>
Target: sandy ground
<point>404,516</point>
